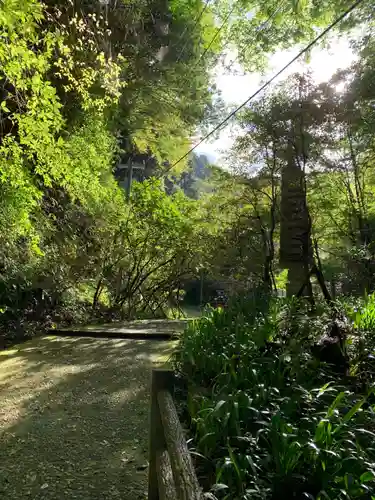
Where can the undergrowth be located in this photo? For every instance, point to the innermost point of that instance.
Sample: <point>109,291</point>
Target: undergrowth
<point>267,419</point>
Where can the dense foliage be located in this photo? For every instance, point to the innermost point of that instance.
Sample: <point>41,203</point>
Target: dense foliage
<point>268,418</point>
<point>302,193</point>
<point>271,25</point>
<point>88,87</point>
<point>83,87</point>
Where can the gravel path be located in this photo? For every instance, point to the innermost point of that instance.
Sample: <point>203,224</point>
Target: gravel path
<point>74,418</point>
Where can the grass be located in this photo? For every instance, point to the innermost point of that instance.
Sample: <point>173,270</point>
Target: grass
<point>74,416</point>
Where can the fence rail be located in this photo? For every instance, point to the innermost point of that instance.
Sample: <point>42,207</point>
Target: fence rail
<point>171,471</point>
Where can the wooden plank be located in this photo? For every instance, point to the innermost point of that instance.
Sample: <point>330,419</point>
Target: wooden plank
<point>161,380</point>
<point>167,489</point>
<point>102,334</point>
<point>185,479</point>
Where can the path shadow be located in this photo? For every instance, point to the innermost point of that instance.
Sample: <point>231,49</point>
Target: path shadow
<point>74,418</point>
<point>159,329</point>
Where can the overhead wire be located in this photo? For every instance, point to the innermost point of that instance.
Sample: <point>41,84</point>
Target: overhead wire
<point>199,17</point>
<point>217,32</point>
<point>225,20</point>
<point>265,24</point>
<point>269,81</point>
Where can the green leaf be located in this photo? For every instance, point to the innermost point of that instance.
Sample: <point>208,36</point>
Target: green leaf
<point>219,405</point>
<point>313,446</point>
<point>251,463</point>
<point>3,106</point>
<point>326,387</point>
<point>219,487</point>
<point>367,476</point>
<point>234,463</point>
<point>335,404</point>
<point>354,410</point>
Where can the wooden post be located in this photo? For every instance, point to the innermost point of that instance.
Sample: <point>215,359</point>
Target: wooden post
<point>167,489</point>
<point>185,479</point>
<point>130,167</point>
<point>161,380</point>
<point>130,178</point>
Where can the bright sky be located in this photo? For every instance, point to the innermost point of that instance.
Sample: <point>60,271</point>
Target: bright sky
<point>237,88</point>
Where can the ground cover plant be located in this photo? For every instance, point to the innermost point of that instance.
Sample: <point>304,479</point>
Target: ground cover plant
<point>268,419</point>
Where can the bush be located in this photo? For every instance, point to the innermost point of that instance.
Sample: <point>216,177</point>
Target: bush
<point>269,419</point>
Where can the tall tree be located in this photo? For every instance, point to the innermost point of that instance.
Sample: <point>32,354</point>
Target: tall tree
<point>269,25</point>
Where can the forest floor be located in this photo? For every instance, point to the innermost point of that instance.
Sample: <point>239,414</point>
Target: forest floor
<point>74,418</point>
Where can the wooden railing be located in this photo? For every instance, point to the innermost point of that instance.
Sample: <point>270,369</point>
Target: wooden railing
<point>171,471</point>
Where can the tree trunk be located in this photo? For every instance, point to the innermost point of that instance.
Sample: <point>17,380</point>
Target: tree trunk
<point>98,291</point>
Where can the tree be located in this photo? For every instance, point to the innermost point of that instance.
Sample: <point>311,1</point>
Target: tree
<point>276,147</point>
<point>84,84</point>
<point>321,139</point>
<point>270,26</point>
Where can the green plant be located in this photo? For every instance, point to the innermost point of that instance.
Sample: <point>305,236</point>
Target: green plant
<point>364,314</point>
<point>268,418</point>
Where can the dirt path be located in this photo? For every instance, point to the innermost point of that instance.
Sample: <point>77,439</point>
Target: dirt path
<point>74,418</point>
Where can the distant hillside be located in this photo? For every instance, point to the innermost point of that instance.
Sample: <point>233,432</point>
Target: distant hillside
<point>197,180</point>
<point>201,166</point>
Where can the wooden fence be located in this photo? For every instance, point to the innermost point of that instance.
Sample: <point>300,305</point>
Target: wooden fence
<point>171,471</point>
